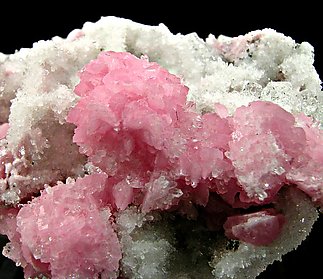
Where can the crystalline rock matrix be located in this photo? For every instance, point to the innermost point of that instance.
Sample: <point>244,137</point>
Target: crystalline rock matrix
<point>130,152</point>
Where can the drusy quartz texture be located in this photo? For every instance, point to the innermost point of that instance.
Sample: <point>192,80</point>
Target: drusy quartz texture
<point>130,152</point>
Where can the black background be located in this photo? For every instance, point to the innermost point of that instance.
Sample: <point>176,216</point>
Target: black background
<point>22,30</point>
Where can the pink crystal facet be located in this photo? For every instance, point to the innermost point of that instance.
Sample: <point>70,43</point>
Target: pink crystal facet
<point>3,130</point>
<point>260,228</point>
<point>83,242</point>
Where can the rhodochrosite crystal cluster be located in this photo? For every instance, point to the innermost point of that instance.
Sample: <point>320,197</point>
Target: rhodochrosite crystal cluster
<point>130,152</point>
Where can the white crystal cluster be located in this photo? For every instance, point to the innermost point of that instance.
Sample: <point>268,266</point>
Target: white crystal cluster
<point>36,93</point>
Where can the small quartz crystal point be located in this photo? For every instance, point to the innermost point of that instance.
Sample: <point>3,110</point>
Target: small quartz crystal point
<point>129,152</point>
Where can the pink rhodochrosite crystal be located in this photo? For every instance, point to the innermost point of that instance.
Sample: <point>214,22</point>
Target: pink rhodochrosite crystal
<point>265,142</point>
<point>3,130</point>
<point>112,166</point>
<point>83,243</point>
<point>125,104</point>
<point>260,228</point>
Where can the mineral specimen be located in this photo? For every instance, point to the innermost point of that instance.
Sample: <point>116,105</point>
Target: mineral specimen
<point>130,152</point>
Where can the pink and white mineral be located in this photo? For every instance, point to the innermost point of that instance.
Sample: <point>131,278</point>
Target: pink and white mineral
<point>124,141</point>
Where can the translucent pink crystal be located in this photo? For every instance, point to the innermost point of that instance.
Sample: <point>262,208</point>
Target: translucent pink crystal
<point>8,224</point>
<point>128,101</point>
<point>264,143</point>
<point>259,228</point>
<point>307,167</point>
<point>236,48</point>
<point>3,130</point>
<point>82,243</point>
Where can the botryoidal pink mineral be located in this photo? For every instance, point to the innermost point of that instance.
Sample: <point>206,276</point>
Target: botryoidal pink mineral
<point>130,152</point>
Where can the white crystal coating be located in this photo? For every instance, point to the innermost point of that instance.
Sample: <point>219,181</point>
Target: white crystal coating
<point>146,251</point>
